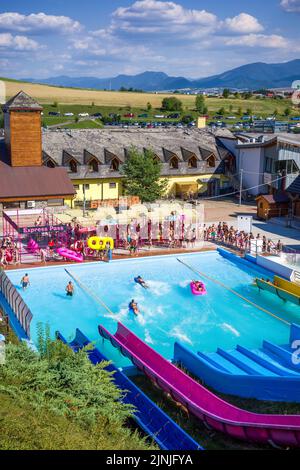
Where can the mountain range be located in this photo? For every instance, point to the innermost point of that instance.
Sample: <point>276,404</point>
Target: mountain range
<point>251,76</point>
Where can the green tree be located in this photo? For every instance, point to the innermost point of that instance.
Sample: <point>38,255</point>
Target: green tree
<point>230,108</point>
<point>226,93</point>
<point>249,111</point>
<point>287,112</point>
<point>142,176</point>
<point>222,111</point>
<point>171,104</point>
<point>57,392</point>
<point>275,113</point>
<point>200,104</point>
<point>239,111</point>
<point>149,106</point>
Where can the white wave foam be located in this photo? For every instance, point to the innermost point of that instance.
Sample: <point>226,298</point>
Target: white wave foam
<point>159,288</point>
<point>185,283</point>
<point>148,338</point>
<point>177,333</point>
<point>227,327</point>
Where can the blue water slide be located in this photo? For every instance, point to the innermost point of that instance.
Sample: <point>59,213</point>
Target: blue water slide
<point>148,416</point>
<point>243,373</point>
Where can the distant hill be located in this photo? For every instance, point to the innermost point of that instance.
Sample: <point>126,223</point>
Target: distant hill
<point>252,76</point>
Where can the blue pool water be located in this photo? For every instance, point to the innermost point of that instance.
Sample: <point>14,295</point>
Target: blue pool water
<point>168,310</point>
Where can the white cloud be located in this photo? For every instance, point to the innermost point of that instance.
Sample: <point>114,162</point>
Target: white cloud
<point>152,16</point>
<point>36,23</point>
<point>243,24</point>
<point>292,6</point>
<point>17,43</point>
<point>272,41</point>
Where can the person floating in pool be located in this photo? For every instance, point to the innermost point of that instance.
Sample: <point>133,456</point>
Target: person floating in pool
<point>140,280</point>
<point>134,307</point>
<point>25,282</point>
<point>70,289</point>
<point>199,286</point>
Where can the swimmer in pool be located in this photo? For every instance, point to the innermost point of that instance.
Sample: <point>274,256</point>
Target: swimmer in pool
<point>141,281</point>
<point>70,289</point>
<point>25,282</point>
<point>199,286</point>
<point>134,307</point>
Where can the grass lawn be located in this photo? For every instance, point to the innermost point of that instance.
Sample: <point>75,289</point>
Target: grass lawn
<point>85,125</point>
<point>105,100</point>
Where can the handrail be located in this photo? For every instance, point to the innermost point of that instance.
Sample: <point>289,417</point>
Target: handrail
<point>16,302</point>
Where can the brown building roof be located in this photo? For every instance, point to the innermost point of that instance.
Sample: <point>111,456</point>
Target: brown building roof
<point>274,198</point>
<point>34,182</point>
<point>22,101</point>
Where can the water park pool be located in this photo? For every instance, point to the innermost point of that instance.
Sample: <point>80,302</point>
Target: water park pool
<point>168,310</point>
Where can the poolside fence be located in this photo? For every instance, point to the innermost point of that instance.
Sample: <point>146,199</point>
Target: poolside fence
<point>16,302</point>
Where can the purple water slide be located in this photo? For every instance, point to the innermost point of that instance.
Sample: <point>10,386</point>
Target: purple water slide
<point>281,430</point>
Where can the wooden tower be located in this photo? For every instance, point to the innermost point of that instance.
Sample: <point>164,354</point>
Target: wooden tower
<point>23,133</point>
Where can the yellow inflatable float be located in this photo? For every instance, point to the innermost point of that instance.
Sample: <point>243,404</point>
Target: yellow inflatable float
<point>99,243</point>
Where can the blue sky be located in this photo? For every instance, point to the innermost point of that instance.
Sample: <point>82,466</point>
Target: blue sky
<point>191,38</point>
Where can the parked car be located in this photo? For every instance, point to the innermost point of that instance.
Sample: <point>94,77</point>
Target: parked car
<point>159,116</point>
<point>129,115</point>
<point>68,114</point>
<point>231,117</point>
<point>295,118</point>
<point>53,113</point>
<point>83,114</point>
<point>143,115</point>
<point>173,116</point>
<point>98,115</point>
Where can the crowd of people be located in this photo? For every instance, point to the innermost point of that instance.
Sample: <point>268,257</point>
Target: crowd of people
<point>9,252</point>
<point>131,238</point>
<point>239,239</point>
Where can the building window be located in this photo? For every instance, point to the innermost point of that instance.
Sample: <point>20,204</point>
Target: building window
<point>269,165</point>
<point>112,185</point>
<point>76,186</point>
<point>115,164</point>
<point>211,161</point>
<point>192,163</point>
<point>86,187</point>
<point>73,166</point>
<point>174,163</point>
<point>94,166</point>
<point>50,164</point>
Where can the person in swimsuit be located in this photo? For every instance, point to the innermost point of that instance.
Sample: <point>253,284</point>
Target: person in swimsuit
<point>70,289</point>
<point>25,282</point>
<point>134,307</point>
<point>199,286</point>
<point>141,281</point>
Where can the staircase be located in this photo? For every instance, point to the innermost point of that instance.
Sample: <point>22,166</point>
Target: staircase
<point>296,277</point>
<point>235,183</point>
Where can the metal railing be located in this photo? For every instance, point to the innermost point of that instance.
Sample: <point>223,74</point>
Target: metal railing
<point>16,302</point>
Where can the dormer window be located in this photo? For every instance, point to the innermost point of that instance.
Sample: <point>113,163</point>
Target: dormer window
<point>192,163</point>
<point>73,166</point>
<point>94,166</point>
<point>115,164</point>
<point>50,164</point>
<point>174,163</point>
<point>211,161</point>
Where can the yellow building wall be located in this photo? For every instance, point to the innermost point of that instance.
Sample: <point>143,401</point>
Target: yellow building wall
<point>185,180</point>
<point>99,189</point>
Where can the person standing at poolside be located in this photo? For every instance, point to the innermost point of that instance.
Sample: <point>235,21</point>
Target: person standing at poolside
<point>70,289</point>
<point>25,282</point>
